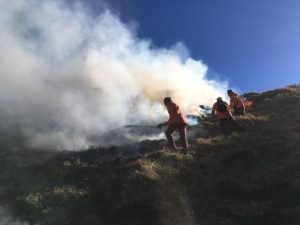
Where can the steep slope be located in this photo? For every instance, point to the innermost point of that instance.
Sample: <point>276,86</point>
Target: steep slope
<point>247,178</point>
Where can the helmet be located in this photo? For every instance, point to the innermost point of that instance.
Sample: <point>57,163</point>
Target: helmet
<point>229,91</point>
<point>167,100</point>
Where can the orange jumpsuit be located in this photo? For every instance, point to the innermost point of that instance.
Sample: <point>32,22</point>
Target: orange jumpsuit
<point>226,121</point>
<point>237,104</point>
<point>176,122</point>
<point>222,115</point>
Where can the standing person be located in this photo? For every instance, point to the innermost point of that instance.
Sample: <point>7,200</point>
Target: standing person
<point>175,122</point>
<point>227,123</point>
<point>236,103</point>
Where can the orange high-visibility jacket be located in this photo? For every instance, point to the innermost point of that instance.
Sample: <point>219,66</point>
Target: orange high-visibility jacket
<point>222,115</point>
<point>175,114</point>
<point>236,101</point>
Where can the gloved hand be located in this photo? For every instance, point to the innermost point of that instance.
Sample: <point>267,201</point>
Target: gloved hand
<point>160,125</point>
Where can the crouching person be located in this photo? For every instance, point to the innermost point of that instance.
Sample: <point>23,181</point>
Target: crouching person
<point>221,110</point>
<point>175,122</point>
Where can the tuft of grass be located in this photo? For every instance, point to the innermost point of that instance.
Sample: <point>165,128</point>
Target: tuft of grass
<point>149,169</point>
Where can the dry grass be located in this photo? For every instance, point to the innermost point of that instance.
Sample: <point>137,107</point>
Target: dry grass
<point>149,169</point>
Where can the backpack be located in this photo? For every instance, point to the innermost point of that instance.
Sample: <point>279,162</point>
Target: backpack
<point>221,107</point>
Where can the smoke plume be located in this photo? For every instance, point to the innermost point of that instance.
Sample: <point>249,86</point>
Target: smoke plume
<point>69,78</point>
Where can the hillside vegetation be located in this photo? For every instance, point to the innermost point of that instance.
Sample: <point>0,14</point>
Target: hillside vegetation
<point>248,178</point>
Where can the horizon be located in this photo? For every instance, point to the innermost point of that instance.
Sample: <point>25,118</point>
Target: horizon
<point>72,72</point>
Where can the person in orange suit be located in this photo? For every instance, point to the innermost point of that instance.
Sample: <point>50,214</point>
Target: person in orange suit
<point>175,122</point>
<point>221,110</point>
<point>236,103</point>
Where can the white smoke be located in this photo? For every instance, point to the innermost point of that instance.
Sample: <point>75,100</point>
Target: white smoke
<point>69,78</point>
<point>6,219</point>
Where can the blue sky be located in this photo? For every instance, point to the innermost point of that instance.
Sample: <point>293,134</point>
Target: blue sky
<point>255,45</point>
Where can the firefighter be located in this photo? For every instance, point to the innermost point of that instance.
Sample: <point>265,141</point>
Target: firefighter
<point>236,103</point>
<point>175,122</point>
<point>221,110</point>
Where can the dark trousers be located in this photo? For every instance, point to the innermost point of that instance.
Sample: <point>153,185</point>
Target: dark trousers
<point>182,134</point>
<point>228,125</point>
<point>239,111</point>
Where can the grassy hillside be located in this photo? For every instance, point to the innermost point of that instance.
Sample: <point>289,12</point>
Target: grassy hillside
<point>249,178</point>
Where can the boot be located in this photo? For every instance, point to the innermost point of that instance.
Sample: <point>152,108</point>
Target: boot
<point>184,151</point>
<point>172,146</point>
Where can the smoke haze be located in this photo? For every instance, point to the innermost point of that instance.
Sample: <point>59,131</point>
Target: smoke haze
<point>69,78</point>
<point>6,219</point>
